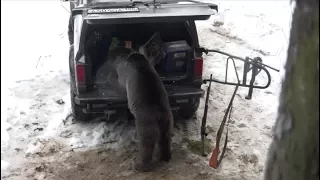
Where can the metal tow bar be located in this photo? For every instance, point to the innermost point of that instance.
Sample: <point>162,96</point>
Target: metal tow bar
<point>256,66</point>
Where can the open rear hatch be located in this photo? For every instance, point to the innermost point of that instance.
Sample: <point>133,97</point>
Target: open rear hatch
<point>118,12</point>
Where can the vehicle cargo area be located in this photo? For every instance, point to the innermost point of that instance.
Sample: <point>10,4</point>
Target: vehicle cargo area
<point>166,45</point>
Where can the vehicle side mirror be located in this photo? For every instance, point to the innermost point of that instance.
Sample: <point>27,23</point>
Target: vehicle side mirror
<point>71,5</point>
<point>214,7</point>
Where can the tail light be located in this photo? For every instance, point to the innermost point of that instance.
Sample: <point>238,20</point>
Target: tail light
<point>198,67</point>
<point>128,44</point>
<point>80,74</point>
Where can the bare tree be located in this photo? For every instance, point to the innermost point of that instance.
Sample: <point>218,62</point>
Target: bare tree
<point>294,151</point>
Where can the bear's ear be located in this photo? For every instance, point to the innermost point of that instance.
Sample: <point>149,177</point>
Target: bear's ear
<point>136,55</point>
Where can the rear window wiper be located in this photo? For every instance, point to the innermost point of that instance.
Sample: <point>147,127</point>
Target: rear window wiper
<point>139,2</point>
<point>144,3</point>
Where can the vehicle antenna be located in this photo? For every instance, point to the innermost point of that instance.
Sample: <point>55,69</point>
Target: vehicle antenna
<point>154,4</point>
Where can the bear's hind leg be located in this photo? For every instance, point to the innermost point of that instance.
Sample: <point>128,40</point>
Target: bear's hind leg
<point>165,146</point>
<point>146,147</point>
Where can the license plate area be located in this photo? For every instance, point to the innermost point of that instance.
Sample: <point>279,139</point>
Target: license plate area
<point>112,10</point>
<point>182,101</point>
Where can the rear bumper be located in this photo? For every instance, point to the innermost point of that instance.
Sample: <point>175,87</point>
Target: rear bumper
<point>110,97</point>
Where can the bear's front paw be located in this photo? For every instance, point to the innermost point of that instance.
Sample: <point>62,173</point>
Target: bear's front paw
<point>141,167</point>
<point>165,156</point>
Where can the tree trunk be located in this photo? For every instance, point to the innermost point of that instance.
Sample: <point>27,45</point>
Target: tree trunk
<point>294,151</point>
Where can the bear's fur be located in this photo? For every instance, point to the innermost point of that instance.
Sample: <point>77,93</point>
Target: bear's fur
<point>147,101</point>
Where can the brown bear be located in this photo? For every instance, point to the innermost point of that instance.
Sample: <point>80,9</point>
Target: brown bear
<point>147,101</point>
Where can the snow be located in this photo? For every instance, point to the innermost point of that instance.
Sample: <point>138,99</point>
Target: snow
<point>33,123</point>
<point>4,165</point>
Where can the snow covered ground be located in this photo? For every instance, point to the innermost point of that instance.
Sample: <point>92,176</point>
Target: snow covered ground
<point>38,141</point>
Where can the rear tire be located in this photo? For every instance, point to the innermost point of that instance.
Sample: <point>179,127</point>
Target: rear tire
<point>188,111</point>
<point>77,111</point>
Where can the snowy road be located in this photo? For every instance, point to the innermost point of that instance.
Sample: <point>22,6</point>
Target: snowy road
<point>39,142</point>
